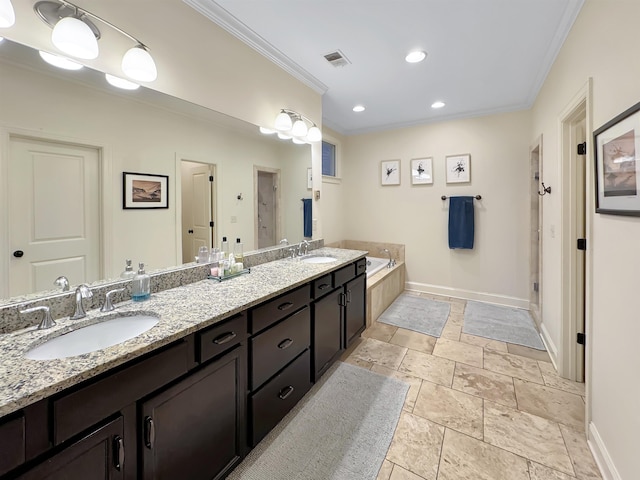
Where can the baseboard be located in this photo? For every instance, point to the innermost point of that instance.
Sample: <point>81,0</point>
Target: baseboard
<point>549,345</point>
<point>468,295</point>
<point>601,455</point>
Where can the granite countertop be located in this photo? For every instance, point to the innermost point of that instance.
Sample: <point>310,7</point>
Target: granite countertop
<point>182,310</point>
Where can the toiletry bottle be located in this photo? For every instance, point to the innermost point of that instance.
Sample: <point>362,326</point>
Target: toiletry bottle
<point>224,247</point>
<point>237,251</point>
<point>141,286</point>
<point>128,273</point>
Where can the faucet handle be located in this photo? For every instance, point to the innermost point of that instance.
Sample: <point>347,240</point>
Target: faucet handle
<point>47,321</point>
<point>82,291</point>
<point>108,306</point>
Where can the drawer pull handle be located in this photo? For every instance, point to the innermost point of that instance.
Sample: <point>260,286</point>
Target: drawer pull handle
<point>118,453</point>
<point>360,267</point>
<point>323,286</point>
<point>285,343</point>
<point>285,306</point>
<point>224,338</point>
<point>149,432</point>
<point>285,392</point>
<point>348,296</point>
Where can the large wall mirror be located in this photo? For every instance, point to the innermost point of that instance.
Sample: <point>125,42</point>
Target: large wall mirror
<point>67,138</point>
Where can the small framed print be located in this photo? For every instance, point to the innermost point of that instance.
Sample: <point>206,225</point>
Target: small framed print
<point>309,179</point>
<point>458,168</point>
<point>390,172</point>
<point>421,171</point>
<point>144,190</point>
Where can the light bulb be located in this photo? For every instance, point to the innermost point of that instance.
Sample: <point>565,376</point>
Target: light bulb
<point>283,122</point>
<point>138,64</point>
<point>60,62</point>
<point>7,14</point>
<point>75,38</point>
<point>299,128</point>
<point>314,135</point>
<point>298,141</point>
<point>121,82</point>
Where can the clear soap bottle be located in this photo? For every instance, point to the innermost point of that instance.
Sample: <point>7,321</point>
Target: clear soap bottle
<point>224,247</point>
<point>141,285</point>
<point>128,273</point>
<point>237,251</point>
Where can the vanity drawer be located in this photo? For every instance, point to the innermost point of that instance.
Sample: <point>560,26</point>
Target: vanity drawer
<point>12,443</point>
<point>220,337</point>
<point>277,397</point>
<point>321,286</point>
<point>278,308</point>
<point>277,346</point>
<point>88,405</point>
<point>342,276</point>
<point>361,266</point>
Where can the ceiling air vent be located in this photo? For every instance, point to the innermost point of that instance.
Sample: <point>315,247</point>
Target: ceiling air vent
<point>337,59</point>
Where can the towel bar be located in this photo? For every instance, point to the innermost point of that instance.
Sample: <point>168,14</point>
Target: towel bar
<point>477,197</point>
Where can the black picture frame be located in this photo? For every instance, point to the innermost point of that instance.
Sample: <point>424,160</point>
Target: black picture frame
<point>142,191</point>
<point>616,147</point>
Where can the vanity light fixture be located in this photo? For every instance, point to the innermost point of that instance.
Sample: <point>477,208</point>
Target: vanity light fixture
<point>358,108</point>
<point>291,124</point>
<point>267,131</point>
<point>438,104</point>
<point>416,56</point>
<point>7,14</point>
<point>121,82</point>
<point>76,35</point>
<point>59,61</point>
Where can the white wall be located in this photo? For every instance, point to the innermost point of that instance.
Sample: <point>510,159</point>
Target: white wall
<point>497,269</point>
<point>603,44</point>
<point>334,197</point>
<point>138,137</point>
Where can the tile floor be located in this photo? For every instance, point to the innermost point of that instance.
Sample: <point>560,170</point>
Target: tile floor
<point>477,409</point>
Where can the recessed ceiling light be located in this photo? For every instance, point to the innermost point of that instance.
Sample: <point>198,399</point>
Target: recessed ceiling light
<point>437,104</point>
<point>416,56</point>
<point>121,82</point>
<point>60,62</point>
<point>358,108</point>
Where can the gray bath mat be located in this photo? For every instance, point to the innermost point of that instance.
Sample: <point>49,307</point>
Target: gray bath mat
<point>417,313</point>
<point>506,324</point>
<point>340,430</point>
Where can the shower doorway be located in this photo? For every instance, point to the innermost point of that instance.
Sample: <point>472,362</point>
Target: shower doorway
<point>267,208</point>
<point>535,265</point>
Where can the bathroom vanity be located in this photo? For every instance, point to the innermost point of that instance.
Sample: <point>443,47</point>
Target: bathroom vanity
<point>190,397</point>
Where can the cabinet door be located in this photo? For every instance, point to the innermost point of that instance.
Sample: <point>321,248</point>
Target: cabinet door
<point>195,429</point>
<point>98,456</point>
<point>327,331</point>
<point>356,309</point>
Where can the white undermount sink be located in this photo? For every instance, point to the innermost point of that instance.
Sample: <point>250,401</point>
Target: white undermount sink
<point>94,337</point>
<point>319,259</point>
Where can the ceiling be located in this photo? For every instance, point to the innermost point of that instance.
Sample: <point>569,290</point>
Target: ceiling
<point>483,57</point>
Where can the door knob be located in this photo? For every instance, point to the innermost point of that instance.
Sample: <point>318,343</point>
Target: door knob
<point>18,253</point>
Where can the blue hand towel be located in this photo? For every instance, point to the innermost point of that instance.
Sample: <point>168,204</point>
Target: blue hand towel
<point>306,209</point>
<point>461,222</point>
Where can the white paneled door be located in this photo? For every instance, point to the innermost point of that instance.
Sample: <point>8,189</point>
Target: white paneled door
<point>54,214</point>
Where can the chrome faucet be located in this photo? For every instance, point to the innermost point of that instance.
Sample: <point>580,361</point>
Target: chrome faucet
<point>304,245</point>
<point>108,305</point>
<point>392,262</point>
<point>62,282</point>
<point>82,291</point>
<point>47,321</point>
<point>284,241</point>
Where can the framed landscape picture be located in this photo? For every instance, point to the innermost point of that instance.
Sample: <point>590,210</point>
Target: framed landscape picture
<point>617,146</point>
<point>390,172</point>
<point>144,190</point>
<point>422,171</point>
<point>458,168</point>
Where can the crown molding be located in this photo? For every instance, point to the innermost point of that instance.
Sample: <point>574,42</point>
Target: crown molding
<point>221,17</point>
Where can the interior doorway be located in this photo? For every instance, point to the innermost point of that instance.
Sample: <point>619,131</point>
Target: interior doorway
<point>267,208</point>
<point>535,286</point>
<point>54,214</point>
<point>198,208</point>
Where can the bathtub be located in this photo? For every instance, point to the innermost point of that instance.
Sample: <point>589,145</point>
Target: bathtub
<point>374,265</point>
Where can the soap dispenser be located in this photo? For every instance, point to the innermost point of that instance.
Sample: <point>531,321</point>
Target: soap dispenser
<point>128,273</point>
<point>224,247</point>
<point>237,251</point>
<point>141,285</point>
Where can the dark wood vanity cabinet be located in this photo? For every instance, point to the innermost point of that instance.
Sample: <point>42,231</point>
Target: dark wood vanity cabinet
<point>355,308</point>
<point>327,331</point>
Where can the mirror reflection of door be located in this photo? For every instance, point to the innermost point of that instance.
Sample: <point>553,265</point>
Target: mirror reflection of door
<point>198,196</point>
<point>267,224</point>
<point>54,214</point>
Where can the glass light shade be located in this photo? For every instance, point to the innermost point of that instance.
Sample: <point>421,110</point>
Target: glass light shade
<point>267,131</point>
<point>299,128</point>
<point>138,64</point>
<point>314,135</point>
<point>121,82</point>
<point>7,14</point>
<point>283,122</point>
<point>298,141</point>
<point>75,38</point>
<point>60,62</point>
<point>283,136</point>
